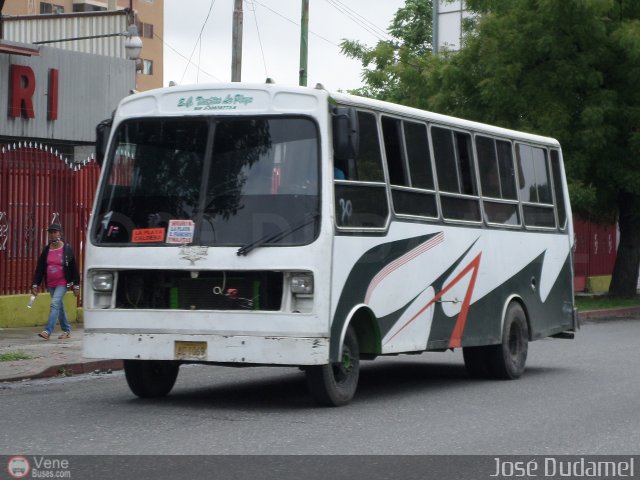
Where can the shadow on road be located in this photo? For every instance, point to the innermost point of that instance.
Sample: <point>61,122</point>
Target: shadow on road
<point>279,389</point>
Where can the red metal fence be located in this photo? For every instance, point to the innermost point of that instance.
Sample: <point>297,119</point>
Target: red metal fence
<point>38,187</point>
<point>595,252</point>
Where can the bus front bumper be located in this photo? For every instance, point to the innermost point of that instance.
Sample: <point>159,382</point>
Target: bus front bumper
<point>242,349</point>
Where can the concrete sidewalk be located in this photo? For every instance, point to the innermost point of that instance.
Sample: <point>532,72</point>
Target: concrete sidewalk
<point>54,357</point>
<point>46,358</point>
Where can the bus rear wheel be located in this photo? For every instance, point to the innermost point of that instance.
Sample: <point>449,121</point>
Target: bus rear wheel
<point>335,384</point>
<point>150,378</point>
<point>507,360</point>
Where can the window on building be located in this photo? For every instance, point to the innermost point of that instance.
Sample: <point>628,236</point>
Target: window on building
<point>147,30</point>
<point>147,67</point>
<point>86,7</point>
<point>47,7</point>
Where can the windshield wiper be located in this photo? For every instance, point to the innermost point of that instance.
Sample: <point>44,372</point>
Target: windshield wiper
<point>274,237</point>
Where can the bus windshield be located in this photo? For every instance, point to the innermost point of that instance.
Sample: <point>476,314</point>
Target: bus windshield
<point>236,181</point>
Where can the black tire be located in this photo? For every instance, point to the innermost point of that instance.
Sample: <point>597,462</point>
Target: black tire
<point>476,361</point>
<point>150,378</point>
<point>335,384</point>
<point>507,360</point>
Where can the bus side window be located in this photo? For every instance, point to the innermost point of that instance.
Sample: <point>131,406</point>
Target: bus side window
<point>362,202</point>
<point>418,155</point>
<point>534,186</point>
<point>456,174</point>
<point>409,164</point>
<point>557,188</point>
<point>368,165</point>
<point>497,180</point>
<point>391,133</point>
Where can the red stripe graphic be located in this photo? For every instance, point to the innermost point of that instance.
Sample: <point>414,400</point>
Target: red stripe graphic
<point>407,257</point>
<point>456,335</point>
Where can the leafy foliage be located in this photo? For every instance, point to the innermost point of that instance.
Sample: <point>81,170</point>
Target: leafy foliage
<point>392,70</point>
<point>568,69</point>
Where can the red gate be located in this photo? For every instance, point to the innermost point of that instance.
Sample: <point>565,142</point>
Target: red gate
<point>595,251</point>
<point>38,187</point>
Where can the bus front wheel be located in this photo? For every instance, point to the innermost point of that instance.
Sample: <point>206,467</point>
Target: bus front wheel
<point>335,384</point>
<point>150,378</point>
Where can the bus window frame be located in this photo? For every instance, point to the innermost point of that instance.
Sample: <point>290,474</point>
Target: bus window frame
<point>524,204</point>
<point>441,193</point>
<point>483,198</point>
<point>483,222</point>
<point>384,184</point>
<point>565,225</point>
<point>407,168</point>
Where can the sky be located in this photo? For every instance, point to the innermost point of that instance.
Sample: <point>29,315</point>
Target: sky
<point>271,39</point>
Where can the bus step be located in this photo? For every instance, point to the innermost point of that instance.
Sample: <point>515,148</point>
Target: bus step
<point>564,335</point>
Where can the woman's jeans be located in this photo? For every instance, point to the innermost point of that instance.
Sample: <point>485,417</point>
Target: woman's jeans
<point>57,310</point>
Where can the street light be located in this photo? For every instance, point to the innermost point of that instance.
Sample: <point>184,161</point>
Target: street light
<point>132,42</point>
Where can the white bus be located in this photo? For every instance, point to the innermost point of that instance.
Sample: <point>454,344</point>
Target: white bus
<point>247,224</point>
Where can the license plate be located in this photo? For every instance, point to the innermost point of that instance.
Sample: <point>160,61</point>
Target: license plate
<point>190,350</point>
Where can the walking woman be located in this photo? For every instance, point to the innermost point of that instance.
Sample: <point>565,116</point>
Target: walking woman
<point>57,266</point>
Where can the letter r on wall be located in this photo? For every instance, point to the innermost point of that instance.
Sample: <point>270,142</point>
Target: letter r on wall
<point>52,102</point>
<point>23,84</point>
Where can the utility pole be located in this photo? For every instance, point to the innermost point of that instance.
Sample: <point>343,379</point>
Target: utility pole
<point>304,42</point>
<point>435,30</point>
<point>236,49</point>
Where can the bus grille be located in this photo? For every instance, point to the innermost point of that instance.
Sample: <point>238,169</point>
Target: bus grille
<point>168,289</point>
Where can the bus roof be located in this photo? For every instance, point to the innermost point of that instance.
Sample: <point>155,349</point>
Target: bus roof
<point>393,108</point>
<point>223,98</point>
<point>233,98</point>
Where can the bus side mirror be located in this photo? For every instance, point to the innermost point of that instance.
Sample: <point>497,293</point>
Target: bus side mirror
<point>103,129</point>
<point>345,133</point>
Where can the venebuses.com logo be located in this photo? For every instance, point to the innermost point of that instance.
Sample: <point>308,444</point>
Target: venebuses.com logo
<point>18,467</point>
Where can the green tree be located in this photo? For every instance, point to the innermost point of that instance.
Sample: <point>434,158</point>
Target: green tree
<point>392,69</point>
<point>568,69</point>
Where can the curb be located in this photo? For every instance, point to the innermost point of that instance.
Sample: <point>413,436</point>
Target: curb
<point>609,313</point>
<point>68,369</point>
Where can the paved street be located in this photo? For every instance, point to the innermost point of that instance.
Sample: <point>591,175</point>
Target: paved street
<point>576,397</point>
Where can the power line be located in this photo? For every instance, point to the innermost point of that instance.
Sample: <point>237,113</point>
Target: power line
<point>359,20</point>
<point>296,24</point>
<point>255,17</point>
<point>382,31</point>
<point>199,39</point>
<point>182,56</point>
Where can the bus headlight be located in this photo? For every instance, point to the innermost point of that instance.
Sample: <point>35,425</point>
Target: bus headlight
<point>302,283</point>
<point>102,281</point>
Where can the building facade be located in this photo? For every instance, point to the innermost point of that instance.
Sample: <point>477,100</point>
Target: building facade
<point>448,16</point>
<point>50,102</point>
<point>28,21</point>
<point>52,96</point>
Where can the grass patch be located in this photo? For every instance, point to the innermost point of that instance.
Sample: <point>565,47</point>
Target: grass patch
<point>13,356</point>
<point>603,302</point>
